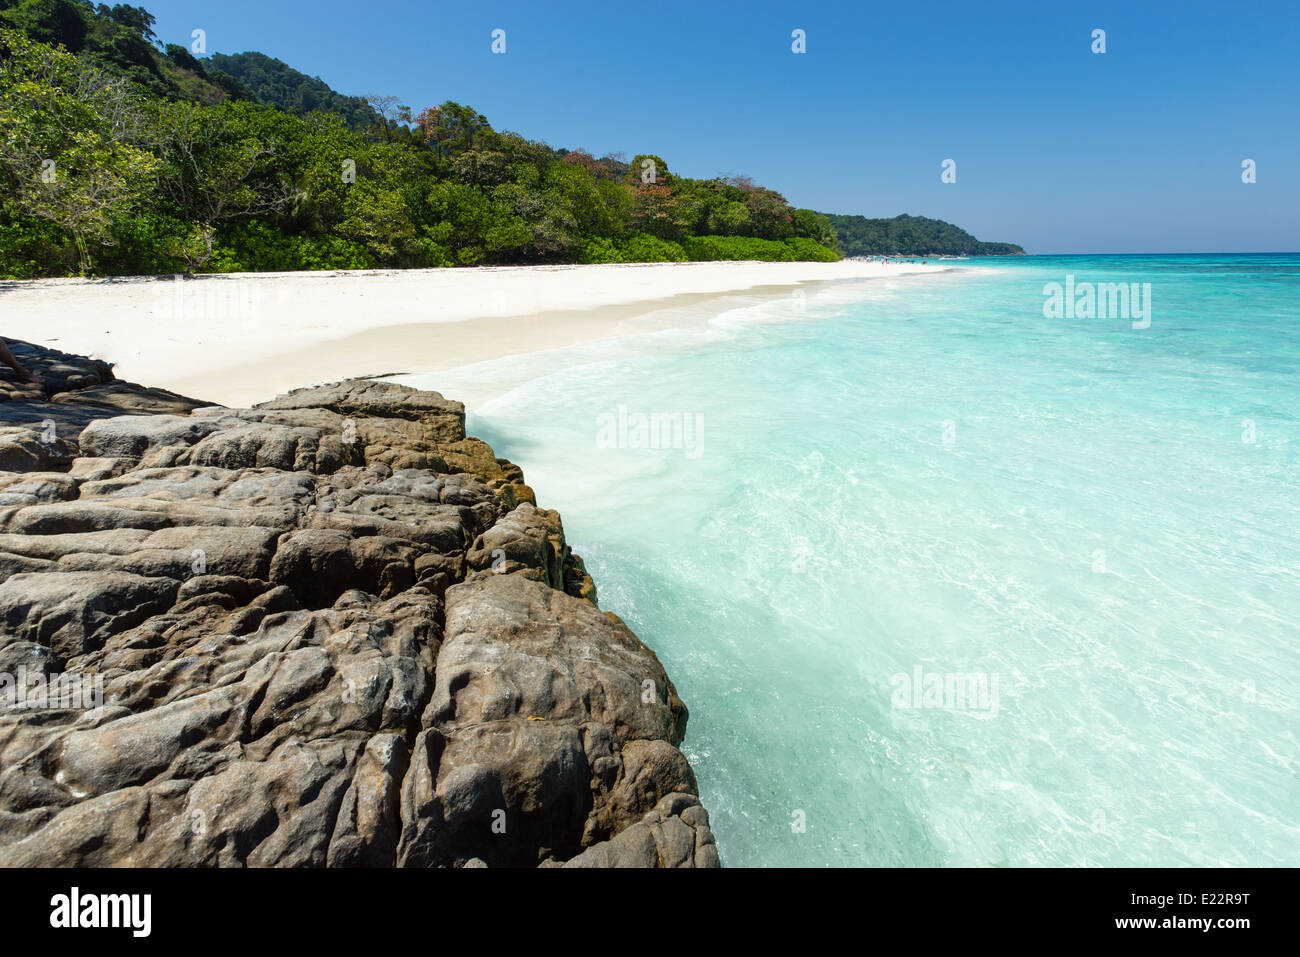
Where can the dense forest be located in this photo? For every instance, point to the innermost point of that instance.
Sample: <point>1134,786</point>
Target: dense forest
<point>121,155</point>
<point>911,236</point>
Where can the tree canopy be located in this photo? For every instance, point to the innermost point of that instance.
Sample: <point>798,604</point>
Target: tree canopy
<point>274,83</point>
<point>119,155</point>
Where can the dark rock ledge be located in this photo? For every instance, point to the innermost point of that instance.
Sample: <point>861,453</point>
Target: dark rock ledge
<point>331,630</point>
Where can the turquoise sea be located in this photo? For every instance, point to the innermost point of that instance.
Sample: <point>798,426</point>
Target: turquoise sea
<point>901,482</point>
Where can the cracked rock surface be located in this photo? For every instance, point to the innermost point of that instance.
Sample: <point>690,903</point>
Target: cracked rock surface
<point>331,630</point>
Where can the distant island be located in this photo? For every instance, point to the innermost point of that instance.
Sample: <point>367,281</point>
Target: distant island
<point>122,155</point>
<point>911,236</point>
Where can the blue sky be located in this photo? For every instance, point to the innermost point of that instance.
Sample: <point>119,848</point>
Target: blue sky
<point>1057,148</point>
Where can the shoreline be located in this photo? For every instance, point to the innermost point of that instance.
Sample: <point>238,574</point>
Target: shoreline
<point>238,339</point>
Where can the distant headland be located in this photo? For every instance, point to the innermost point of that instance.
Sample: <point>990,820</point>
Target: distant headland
<point>911,236</point>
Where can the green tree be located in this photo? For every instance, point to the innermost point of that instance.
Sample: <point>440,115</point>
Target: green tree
<point>647,169</point>
<point>67,142</point>
<point>219,164</point>
<point>815,226</point>
<point>452,128</point>
<point>50,21</point>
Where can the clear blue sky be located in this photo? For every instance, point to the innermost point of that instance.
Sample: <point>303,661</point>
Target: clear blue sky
<point>1057,148</point>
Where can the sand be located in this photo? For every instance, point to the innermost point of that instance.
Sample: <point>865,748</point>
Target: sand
<point>243,338</point>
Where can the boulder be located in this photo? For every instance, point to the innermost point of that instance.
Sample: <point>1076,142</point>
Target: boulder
<point>332,630</point>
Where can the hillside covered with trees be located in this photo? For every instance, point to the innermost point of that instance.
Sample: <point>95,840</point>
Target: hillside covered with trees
<point>121,156</point>
<point>911,236</point>
<point>120,40</point>
<point>275,83</point>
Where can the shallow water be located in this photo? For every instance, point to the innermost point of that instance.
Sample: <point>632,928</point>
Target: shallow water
<point>1098,524</point>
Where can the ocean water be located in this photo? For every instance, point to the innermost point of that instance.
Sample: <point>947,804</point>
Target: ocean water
<point>945,581</point>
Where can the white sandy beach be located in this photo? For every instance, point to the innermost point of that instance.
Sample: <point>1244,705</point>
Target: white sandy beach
<point>244,338</point>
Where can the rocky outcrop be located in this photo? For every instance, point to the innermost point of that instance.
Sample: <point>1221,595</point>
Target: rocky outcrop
<point>331,630</point>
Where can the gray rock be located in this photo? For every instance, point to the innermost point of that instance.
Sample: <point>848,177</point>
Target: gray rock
<point>131,436</point>
<point>674,834</point>
<point>555,728</point>
<point>333,630</point>
<point>32,448</point>
<point>74,612</point>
